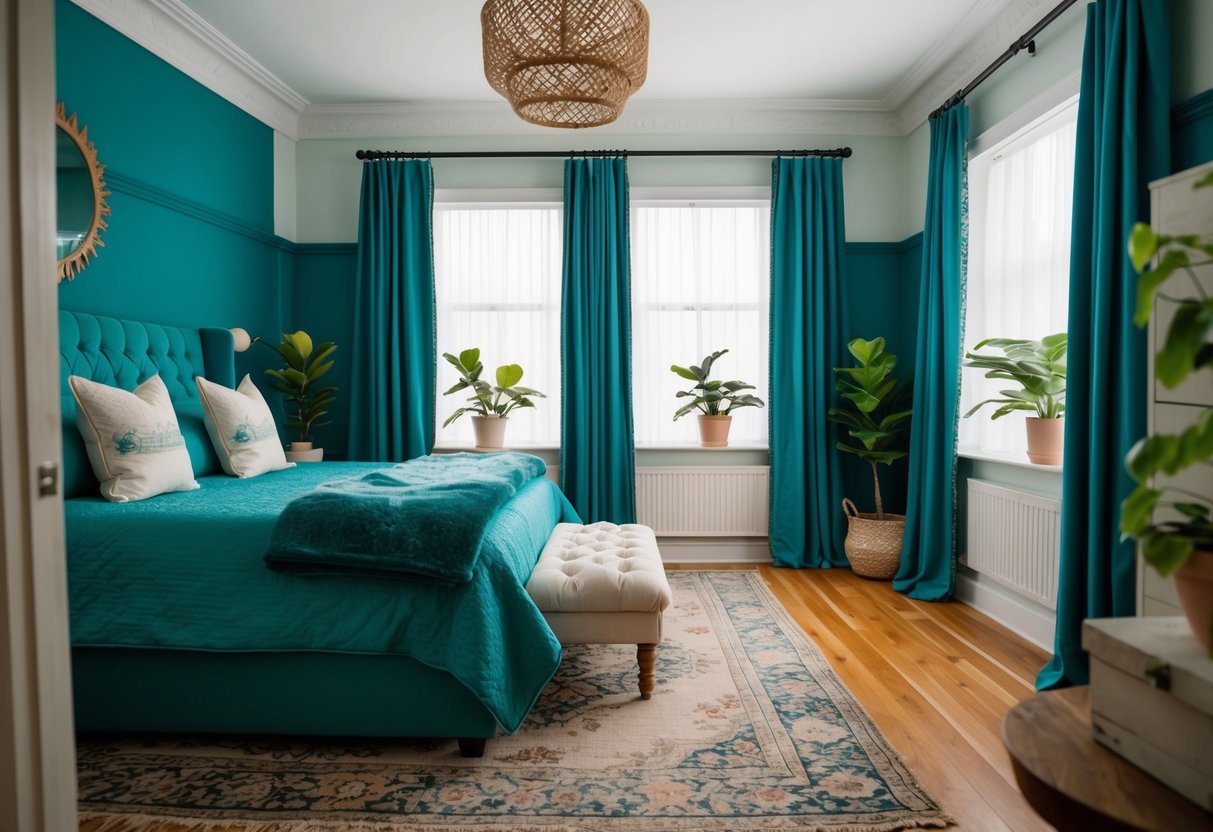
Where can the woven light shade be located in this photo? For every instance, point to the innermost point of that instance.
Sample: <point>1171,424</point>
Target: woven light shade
<point>565,63</point>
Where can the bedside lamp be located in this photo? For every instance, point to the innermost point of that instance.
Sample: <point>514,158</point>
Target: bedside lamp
<point>242,338</point>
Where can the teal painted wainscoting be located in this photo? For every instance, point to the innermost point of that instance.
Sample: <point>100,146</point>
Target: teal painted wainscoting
<point>1192,131</point>
<point>882,299</point>
<point>190,239</point>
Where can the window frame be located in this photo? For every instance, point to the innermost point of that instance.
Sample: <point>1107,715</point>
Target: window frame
<point>680,196</point>
<point>1021,129</point>
<point>490,199</point>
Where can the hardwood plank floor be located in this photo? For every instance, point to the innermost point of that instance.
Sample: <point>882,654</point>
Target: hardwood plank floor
<point>936,677</point>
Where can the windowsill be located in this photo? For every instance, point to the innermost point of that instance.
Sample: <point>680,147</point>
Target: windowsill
<point>1006,459</point>
<point>695,446</point>
<point>513,446</point>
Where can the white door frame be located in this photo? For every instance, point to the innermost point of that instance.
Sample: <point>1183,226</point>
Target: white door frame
<point>37,747</point>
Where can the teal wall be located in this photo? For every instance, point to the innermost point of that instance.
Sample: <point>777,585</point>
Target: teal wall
<point>190,239</point>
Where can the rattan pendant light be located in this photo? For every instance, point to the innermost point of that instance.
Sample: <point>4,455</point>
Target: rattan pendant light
<point>565,63</point>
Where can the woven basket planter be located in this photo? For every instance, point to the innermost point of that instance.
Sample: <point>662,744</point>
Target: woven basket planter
<point>873,546</point>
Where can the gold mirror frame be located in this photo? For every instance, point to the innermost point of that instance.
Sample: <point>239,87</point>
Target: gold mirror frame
<point>75,262</point>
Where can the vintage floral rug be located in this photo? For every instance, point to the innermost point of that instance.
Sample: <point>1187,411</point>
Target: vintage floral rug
<point>748,729</point>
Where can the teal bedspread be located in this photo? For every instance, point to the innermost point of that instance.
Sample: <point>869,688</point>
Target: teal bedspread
<point>184,571</point>
<point>421,519</point>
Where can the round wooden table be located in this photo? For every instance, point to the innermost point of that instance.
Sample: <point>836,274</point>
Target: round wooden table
<point>1075,783</point>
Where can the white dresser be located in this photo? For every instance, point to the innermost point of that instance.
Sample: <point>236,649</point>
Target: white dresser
<point>1175,208</point>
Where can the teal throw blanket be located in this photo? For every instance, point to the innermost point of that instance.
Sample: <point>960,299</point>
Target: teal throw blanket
<point>423,519</point>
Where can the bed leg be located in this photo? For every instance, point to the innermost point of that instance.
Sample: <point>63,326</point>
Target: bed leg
<point>646,657</point>
<point>472,746</point>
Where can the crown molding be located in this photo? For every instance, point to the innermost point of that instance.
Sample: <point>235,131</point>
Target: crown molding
<point>981,48</point>
<point>173,32</point>
<point>724,116</point>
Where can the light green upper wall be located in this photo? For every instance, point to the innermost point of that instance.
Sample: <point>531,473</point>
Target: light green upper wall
<point>1058,54</point>
<point>1192,48</point>
<point>885,182</point>
<point>329,177</point>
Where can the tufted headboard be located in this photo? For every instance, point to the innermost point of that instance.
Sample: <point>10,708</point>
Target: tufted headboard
<point>126,353</point>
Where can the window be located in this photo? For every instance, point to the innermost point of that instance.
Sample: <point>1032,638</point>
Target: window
<point>700,283</point>
<point>1021,193</point>
<point>497,283</point>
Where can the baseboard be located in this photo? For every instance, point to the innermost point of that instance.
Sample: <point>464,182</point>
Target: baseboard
<point>1020,615</point>
<point>714,549</point>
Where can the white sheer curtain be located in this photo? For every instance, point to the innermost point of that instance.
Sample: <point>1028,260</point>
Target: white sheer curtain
<point>1019,262</point>
<point>700,283</point>
<point>497,281</point>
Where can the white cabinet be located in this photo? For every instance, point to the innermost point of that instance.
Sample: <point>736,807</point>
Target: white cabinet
<point>1175,208</point>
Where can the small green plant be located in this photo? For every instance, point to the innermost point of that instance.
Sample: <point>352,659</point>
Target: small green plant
<point>306,364</point>
<point>488,399</point>
<point>878,414</point>
<point>1188,346</point>
<point>712,397</point>
<point>1038,367</point>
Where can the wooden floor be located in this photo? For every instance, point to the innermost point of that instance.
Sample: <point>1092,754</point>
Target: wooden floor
<point>936,677</point>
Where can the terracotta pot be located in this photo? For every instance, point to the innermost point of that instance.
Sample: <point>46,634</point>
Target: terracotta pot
<point>490,432</point>
<point>304,452</point>
<point>873,546</point>
<point>714,431</point>
<point>1194,585</point>
<point>1045,440</point>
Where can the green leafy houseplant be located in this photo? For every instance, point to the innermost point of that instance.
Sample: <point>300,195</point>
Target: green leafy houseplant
<point>1168,545</point>
<point>488,400</point>
<point>712,397</point>
<point>878,409</point>
<point>1038,367</point>
<point>306,364</point>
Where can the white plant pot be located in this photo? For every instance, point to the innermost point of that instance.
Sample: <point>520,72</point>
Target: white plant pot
<point>304,452</point>
<point>490,432</point>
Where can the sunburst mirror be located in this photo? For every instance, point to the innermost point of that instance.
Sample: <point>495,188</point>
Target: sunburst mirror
<point>82,208</point>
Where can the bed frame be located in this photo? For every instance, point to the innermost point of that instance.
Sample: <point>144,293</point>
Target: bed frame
<point>300,692</point>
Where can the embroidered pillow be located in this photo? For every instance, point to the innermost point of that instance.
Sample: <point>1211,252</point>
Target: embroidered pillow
<point>242,428</point>
<point>133,440</point>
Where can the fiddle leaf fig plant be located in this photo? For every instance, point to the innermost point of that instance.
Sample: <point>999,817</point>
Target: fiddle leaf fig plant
<point>879,411</point>
<point>1187,348</point>
<point>306,364</point>
<point>1038,367</point>
<point>711,396</point>
<point>498,399</point>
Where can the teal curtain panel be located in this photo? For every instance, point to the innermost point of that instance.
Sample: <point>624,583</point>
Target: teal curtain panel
<point>597,448</point>
<point>808,316</point>
<point>1123,143</point>
<point>392,383</point>
<point>928,553</point>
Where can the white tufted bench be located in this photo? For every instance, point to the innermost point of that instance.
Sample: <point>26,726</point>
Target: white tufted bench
<point>604,584</point>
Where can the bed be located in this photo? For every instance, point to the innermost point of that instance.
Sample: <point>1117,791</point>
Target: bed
<point>177,624</point>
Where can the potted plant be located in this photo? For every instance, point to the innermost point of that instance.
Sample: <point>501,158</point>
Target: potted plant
<point>490,404</point>
<point>1181,543</point>
<point>305,365</point>
<point>715,399</point>
<point>876,413</point>
<point>1039,368</point>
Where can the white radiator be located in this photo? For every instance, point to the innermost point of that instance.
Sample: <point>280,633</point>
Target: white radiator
<point>1014,538</point>
<point>694,501</point>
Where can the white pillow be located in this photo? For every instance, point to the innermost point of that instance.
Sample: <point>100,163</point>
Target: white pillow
<point>133,440</point>
<point>242,428</point>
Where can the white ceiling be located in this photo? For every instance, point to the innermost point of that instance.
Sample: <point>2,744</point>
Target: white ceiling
<point>383,51</point>
<point>334,68</point>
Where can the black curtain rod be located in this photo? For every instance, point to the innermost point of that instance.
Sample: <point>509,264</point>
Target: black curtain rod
<point>371,155</point>
<point>1027,41</point>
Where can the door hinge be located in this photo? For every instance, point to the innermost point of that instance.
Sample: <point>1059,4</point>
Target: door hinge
<point>48,479</point>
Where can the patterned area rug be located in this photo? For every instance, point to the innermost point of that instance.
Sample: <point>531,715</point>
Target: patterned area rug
<point>748,729</point>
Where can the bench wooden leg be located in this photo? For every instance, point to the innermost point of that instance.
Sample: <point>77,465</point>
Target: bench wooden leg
<point>472,746</point>
<point>646,657</point>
